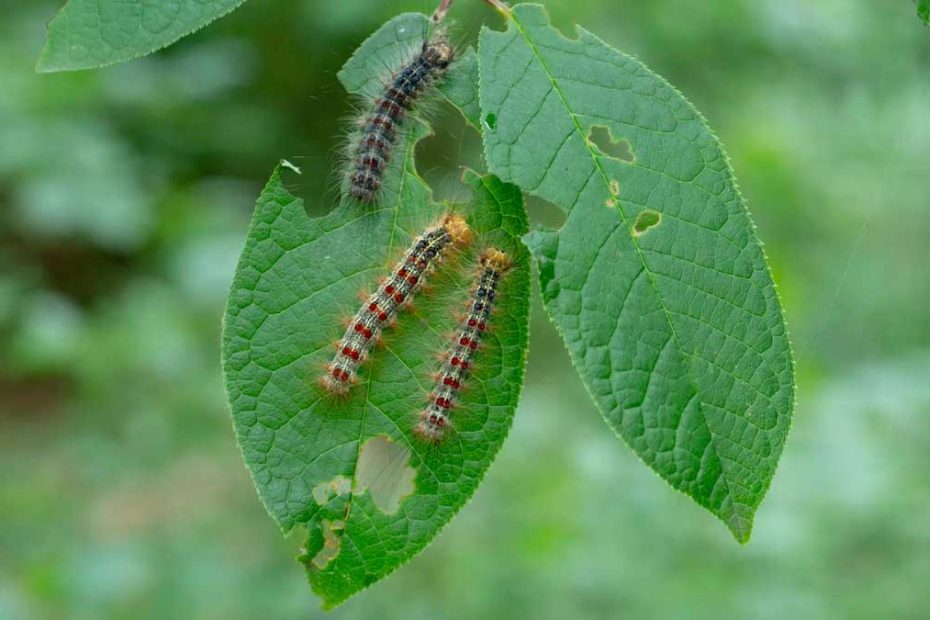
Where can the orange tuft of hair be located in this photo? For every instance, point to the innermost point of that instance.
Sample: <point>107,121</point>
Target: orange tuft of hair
<point>458,230</point>
<point>496,260</point>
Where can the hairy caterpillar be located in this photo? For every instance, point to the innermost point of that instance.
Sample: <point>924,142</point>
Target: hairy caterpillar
<point>434,420</point>
<point>379,129</point>
<point>380,308</point>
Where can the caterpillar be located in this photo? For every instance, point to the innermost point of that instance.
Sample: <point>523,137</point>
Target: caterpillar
<point>379,129</point>
<point>434,420</point>
<point>380,308</point>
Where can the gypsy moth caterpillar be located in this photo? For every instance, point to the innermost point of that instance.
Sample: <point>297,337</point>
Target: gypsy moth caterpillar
<point>380,126</point>
<point>380,308</point>
<point>434,420</point>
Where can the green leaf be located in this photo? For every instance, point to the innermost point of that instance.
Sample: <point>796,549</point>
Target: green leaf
<point>461,88</point>
<point>369,493</point>
<point>923,10</point>
<point>95,33</point>
<point>656,280</point>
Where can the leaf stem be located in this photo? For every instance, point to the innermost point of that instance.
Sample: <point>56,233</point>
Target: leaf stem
<point>501,7</point>
<point>440,13</point>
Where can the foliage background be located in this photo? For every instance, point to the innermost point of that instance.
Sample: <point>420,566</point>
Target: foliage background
<point>125,195</point>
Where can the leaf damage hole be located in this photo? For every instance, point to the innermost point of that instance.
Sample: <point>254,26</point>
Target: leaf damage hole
<point>327,490</point>
<point>465,149</point>
<point>600,137</point>
<point>646,221</point>
<point>545,213</point>
<point>384,469</point>
<point>332,540</point>
<point>491,121</point>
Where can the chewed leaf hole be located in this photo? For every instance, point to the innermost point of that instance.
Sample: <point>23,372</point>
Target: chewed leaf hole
<point>646,221</point>
<point>545,213</point>
<point>602,139</point>
<point>491,121</point>
<point>384,469</point>
<point>326,491</point>
<point>332,541</point>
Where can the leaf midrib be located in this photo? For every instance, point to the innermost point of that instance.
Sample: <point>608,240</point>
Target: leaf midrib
<point>639,252</point>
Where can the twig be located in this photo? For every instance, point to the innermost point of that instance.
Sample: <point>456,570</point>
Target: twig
<point>440,14</point>
<point>500,7</point>
<point>444,5</point>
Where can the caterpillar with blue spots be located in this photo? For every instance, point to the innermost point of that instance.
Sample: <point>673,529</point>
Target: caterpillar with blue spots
<point>381,126</point>
<point>435,418</point>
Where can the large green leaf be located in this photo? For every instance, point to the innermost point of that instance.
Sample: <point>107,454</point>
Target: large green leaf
<point>656,280</point>
<point>370,494</point>
<point>95,33</point>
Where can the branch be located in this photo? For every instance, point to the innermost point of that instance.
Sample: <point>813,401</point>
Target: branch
<point>440,14</point>
<point>500,7</point>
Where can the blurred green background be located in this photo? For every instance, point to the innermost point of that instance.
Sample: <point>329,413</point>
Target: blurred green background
<point>124,199</point>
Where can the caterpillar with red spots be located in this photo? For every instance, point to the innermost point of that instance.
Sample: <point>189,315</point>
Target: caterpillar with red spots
<point>380,308</point>
<point>434,420</point>
<point>379,129</point>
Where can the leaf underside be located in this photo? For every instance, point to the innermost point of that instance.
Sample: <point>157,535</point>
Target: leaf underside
<point>656,280</point>
<point>95,33</point>
<point>369,493</point>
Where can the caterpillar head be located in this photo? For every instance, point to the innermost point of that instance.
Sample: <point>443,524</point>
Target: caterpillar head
<point>494,259</point>
<point>457,229</point>
<point>439,52</point>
